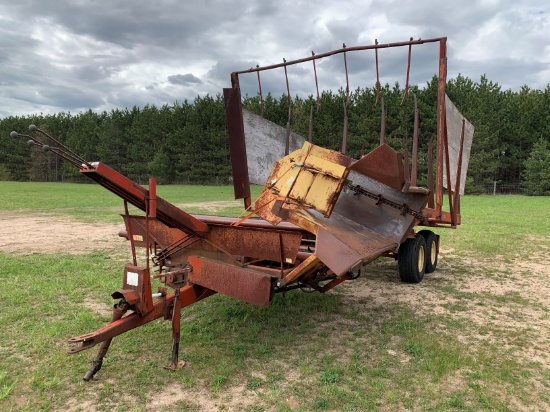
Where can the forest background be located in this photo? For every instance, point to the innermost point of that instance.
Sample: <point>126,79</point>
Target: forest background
<point>186,143</point>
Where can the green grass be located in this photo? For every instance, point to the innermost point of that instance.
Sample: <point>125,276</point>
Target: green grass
<point>385,348</point>
<point>501,225</point>
<point>92,203</point>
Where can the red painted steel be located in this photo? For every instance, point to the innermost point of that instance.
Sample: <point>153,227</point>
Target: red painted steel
<point>241,283</point>
<point>237,147</point>
<point>137,195</point>
<point>334,52</point>
<point>161,308</point>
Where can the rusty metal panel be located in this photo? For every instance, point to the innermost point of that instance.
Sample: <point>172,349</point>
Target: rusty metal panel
<point>240,283</point>
<point>305,188</point>
<point>454,128</point>
<point>258,243</point>
<point>387,221</point>
<point>339,256</point>
<point>326,166</point>
<point>252,222</point>
<point>383,164</point>
<point>342,243</point>
<point>264,205</point>
<point>158,231</point>
<point>360,229</point>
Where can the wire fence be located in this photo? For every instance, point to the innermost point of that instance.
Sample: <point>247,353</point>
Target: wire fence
<point>497,188</point>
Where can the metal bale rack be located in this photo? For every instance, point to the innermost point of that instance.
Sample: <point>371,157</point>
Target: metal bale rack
<point>321,217</point>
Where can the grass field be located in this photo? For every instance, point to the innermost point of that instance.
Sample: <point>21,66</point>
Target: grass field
<point>472,336</point>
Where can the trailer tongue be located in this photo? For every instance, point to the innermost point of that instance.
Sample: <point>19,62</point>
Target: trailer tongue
<point>322,215</point>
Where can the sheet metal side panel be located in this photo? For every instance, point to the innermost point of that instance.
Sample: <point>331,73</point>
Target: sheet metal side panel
<point>454,130</point>
<point>239,283</point>
<point>265,145</point>
<point>387,221</point>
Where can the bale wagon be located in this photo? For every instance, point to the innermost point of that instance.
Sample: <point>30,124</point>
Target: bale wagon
<point>321,217</point>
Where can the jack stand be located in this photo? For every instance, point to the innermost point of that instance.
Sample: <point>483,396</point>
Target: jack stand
<point>175,363</point>
<point>118,312</point>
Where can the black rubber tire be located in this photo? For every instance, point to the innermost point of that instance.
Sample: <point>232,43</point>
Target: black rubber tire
<point>432,249</point>
<point>411,259</point>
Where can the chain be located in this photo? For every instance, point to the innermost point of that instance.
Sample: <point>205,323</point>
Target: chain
<point>403,208</point>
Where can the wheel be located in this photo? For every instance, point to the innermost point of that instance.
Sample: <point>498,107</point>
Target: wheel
<point>432,249</point>
<point>411,259</point>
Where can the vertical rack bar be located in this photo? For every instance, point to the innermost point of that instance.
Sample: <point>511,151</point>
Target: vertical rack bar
<point>414,170</point>
<point>347,76</point>
<point>287,137</point>
<point>383,124</point>
<point>408,73</point>
<point>431,199</point>
<point>310,131</point>
<point>153,197</point>
<point>261,96</point>
<point>130,233</point>
<point>147,246</point>
<point>406,168</point>
<point>345,132</point>
<point>377,72</point>
<point>151,214</point>
<point>441,112</point>
<point>316,80</point>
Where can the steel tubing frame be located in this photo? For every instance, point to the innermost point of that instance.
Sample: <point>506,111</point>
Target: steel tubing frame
<point>437,216</point>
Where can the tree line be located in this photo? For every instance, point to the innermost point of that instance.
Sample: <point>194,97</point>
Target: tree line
<point>187,142</point>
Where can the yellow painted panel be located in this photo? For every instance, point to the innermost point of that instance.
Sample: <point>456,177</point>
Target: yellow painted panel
<point>330,155</point>
<point>325,166</point>
<point>303,268</point>
<point>287,180</point>
<point>283,166</point>
<point>311,177</point>
<point>302,185</point>
<point>321,193</point>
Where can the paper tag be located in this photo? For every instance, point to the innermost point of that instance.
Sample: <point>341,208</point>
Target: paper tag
<point>132,278</point>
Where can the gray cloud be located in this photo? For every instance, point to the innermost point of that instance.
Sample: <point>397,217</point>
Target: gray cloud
<point>71,56</point>
<point>184,79</point>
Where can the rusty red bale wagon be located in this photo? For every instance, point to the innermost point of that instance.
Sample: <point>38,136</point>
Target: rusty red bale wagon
<point>321,217</point>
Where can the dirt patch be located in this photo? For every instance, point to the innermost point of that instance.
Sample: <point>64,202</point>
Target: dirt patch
<point>491,299</point>
<point>97,307</point>
<point>25,234</point>
<point>22,233</point>
<point>234,396</point>
<point>211,207</point>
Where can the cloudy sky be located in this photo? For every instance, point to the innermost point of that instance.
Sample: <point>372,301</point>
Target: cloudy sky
<point>72,55</point>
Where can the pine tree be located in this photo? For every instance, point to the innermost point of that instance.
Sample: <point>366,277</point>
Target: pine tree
<point>537,170</point>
